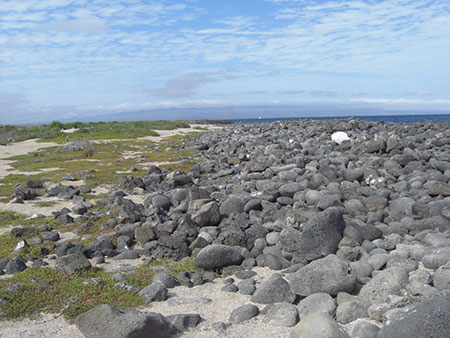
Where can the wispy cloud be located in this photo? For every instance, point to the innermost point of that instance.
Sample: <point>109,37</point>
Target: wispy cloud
<point>87,52</point>
<point>182,86</point>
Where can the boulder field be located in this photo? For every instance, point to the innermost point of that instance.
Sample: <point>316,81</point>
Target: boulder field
<point>352,216</point>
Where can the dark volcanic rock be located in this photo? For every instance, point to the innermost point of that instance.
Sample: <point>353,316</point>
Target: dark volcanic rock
<point>126,211</point>
<point>16,264</point>
<point>243,313</point>
<point>387,282</point>
<point>105,321</point>
<point>72,262</point>
<point>320,235</point>
<point>207,215</point>
<point>427,319</point>
<point>329,275</point>
<point>274,290</point>
<point>232,205</point>
<point>216,256</point>
<point>318,325</point>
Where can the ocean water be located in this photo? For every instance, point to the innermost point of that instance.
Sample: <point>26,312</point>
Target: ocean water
<point>377,118</point>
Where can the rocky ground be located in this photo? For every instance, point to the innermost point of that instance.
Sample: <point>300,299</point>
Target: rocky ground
<point>336,228</point>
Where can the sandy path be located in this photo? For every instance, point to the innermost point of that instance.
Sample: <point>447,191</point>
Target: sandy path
<point>19,148</point>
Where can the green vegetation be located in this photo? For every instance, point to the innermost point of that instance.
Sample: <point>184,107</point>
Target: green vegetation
<point>8,243</point>
<point>105,162</point>
<point>144,273</point>
<point>47,290</point>
<point>8,218</point>
<point>44,289</point>
<point>91,130</point>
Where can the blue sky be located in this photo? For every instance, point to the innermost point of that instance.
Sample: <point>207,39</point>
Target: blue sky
<point>80,59</point>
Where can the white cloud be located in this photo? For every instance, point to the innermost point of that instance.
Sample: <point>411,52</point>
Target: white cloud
<point>61,50</point>
<point>82,25</point>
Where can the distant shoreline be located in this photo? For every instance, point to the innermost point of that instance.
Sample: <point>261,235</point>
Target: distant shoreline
<point>411,118</point>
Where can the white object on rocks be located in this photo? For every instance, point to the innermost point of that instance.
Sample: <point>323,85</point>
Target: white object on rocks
<point>340,137</point>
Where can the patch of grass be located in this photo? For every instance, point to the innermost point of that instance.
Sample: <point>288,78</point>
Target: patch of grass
<point>8,243</point>
<point>48,290</point>
<point>108,160</point>
<point>144,274</point>
<point>44,203</point>
<point>10,218</point>
<point>117,130</point>
<point>93,130</point>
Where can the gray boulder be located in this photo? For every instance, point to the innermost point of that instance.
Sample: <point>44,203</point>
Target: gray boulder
<point>126,211</point>
<point>329,275</point>
<point>183,322</point>
<point>441,278</point>
<point>274,290</point>
<point>105,321</point>
<point>232,205</point>
<point>347,312</point>
<point>427,319</point>
<point>155,292</point>
<point>162,202</point>
<point>207,215</point>
<point>16,264</point>
<point>216,256</point>
<point>320,236</point>
<point>387,282</point>
<point>363,329</point>
<point>317,302</point>
<point>72,262</point>
<point>243,313</point>
<point>165,279</point>
<point>318,325</point>
<point>281,314</point>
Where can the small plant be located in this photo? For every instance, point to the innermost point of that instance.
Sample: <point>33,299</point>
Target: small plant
<point>78,145</point>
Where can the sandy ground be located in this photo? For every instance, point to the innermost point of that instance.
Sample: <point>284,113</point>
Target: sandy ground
<point>28,146</point>
<point>30,208</point>
<point>217,310</point>
<point>19,148</point>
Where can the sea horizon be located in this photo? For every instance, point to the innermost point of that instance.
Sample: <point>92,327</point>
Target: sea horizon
<point>396,118</point>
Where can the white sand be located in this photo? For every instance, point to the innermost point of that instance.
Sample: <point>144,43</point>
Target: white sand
<point>46,326</point>
<point>218,310</point>
<point>19,148</point>
<point>32,207</point>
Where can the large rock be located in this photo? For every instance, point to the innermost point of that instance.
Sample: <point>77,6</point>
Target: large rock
<point>317,302</point>
<point>329,275</point>
<point>387,282</point>
<point>274,290</point>
<point>427,319</point>
<point>216,256</point>
<point>126,211</point>
<point>207,215</point>
<point>441,278</point>
<point>232,205</point>
<point>282,314</point>
<point>183,322</point>
<point>105,321</point>
<point>155,292</point>
<point>320,235</point>
<point>17,264</point>
<point>243,312</point>
<point>72,262</point>
<point>318,325</point>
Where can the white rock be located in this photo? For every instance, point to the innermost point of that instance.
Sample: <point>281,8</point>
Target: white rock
<point>340,137</point>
